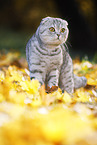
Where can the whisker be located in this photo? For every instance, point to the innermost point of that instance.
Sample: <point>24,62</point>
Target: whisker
<point>69,43</point>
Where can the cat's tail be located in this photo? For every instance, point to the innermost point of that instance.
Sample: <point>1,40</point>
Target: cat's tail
<point>79,81</point>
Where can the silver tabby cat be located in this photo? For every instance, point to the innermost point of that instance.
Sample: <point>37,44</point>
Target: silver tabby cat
<point>48,58</point>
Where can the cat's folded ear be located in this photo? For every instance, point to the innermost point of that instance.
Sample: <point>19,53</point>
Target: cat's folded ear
<point>44,20</point>
<point>66,23</point>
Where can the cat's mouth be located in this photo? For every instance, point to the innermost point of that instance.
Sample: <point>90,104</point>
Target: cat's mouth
<point>58,36</point>
<point>58,39</point>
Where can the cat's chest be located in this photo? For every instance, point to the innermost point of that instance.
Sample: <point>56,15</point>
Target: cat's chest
<point>54,59</point>
<point>49,57</point>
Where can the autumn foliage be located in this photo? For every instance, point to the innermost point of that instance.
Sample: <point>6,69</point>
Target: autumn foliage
<point>29,115</point>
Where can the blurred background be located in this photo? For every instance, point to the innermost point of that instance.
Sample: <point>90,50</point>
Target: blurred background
<point>19,19</point>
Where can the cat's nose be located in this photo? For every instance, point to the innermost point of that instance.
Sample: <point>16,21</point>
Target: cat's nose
<point>58,35</point>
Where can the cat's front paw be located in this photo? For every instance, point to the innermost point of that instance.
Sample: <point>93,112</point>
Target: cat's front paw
<point>52,89</point>
<point>69,90</point>
<point>32,78</point>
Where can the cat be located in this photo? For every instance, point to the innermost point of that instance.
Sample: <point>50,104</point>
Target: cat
<point>48,58</point>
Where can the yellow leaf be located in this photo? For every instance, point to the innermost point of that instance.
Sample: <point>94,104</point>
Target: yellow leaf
<point>2,98</point>
<point>2,76</point>
<point>67,98</point>
<point>83,96</point>
<point>91,81</point>
<point>30,86</point>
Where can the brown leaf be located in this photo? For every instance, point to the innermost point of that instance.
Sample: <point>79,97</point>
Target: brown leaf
<point>8,59</point>
<point>52,89</point>
<point>42,91</point>
<point>47,99</point>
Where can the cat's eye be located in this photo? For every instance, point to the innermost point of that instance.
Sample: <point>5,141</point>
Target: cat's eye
<point>52,29</point>
<point>63,30</point>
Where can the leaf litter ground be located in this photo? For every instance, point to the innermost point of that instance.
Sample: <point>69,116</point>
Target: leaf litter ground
<point>31,116</point>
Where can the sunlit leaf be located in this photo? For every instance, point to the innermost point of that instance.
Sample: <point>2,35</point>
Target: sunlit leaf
<point>34,114</point>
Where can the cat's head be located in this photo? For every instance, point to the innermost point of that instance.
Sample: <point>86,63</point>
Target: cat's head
<point>53,31</point>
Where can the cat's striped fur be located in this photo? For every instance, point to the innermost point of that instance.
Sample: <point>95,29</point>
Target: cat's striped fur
<point>48,59</point>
